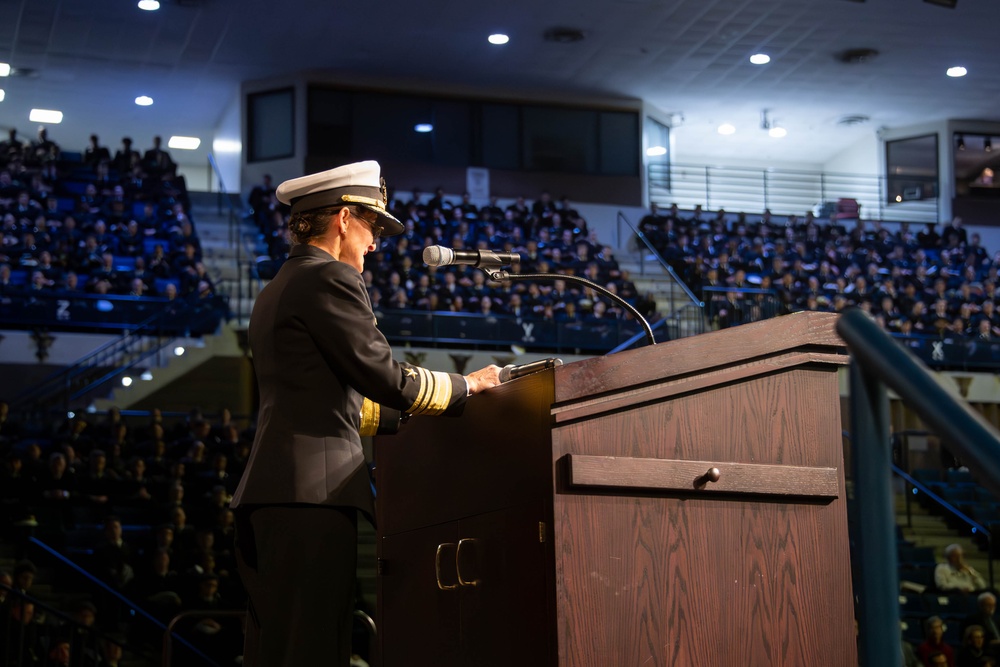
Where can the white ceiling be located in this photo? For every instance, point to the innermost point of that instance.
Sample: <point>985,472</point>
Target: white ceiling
<point>91,58</point>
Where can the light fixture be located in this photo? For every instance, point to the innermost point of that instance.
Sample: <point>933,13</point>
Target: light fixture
<point>179,350</point>
<point>656,151</point>
<point>146,376</point>
<point>423,128</point>
<point>144,100</point>
<point>727,128</point>
<point>4,69</point>
<point>498,39</point>
<point>772,127</point>
<point>2,94</point>
<point>988,144</point>
<point>184,143</point>
<point>126,381</point>
<point>961,143</point>
<point>226,146</point>
<point>45,116</point>
<point>760,59</point>
<point>899,198</point>
<point>956,71</point>
<point>149,5</point>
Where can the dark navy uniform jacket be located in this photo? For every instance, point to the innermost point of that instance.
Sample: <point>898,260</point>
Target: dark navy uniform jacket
<point>317,354</point>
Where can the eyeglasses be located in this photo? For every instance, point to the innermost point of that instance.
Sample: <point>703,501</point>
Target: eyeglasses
<point>372,225</point>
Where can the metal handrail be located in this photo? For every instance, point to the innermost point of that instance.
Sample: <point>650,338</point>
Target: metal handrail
<point>234,237</point>
<point>109,590</point>
<point>879,362</point>
<point>975,525</point>
<point>169,634</point>
<point>659,258</point>
<point>69,620</point>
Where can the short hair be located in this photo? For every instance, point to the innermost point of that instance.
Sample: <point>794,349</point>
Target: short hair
<point>982,597</point>
<point>952,548</point>
<point>969,630</point>
<point>930,621</point>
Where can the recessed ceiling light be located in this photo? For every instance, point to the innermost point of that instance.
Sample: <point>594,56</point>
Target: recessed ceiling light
<point>957,71</point>
<point>2,94</point>
<point>226,146</point>
<point>498,38</point>
<point>727,128</point>
<point>760,59</point>
<point>184,143</point>
<point>4,69</point>
<point>149,5</point>
<point>45,116</point>
<point>423,128</point>
<point>777,132</point>
<point>144,100</point>
<point>126,381</point>
<point>656,151</point>
<point>146,376</point>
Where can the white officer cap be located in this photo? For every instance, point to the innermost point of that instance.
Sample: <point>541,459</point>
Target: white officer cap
<point>358,184</point>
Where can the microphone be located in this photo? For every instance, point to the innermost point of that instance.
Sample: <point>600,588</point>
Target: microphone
<point>435,255</point>
<point>512,372</point>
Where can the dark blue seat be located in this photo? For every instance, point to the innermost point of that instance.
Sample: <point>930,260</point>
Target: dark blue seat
<point>917,556</point>
<point>958,477</point>
<point>926,475</point>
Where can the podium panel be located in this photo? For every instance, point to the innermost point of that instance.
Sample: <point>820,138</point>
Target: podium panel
<point>681,504</point>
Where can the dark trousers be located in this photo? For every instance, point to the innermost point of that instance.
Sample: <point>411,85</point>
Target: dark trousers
<point>298,565</point>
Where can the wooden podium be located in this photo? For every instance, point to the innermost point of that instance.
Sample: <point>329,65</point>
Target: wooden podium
<point>681,504</point>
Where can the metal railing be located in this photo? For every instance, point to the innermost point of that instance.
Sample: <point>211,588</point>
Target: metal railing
<point>235,240</point>
<point>877,363</point>
<point>782,192</point>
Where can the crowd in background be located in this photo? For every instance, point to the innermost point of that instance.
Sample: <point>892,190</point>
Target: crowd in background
<point>930,282</point>
<point>551,237</point>
<point>144,508</point>
<point>96,223</point>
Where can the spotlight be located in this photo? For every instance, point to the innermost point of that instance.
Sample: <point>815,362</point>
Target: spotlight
<point>126,381</point>
<point>988,145</point>
<point>961,143</point>
<point>179,350</point>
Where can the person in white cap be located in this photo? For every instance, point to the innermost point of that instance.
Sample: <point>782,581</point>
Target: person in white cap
<point>325,374</point>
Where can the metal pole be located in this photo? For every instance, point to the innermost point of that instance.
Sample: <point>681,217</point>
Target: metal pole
<point>878,579</point>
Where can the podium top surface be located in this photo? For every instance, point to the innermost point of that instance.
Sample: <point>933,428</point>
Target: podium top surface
<point>812,331</point>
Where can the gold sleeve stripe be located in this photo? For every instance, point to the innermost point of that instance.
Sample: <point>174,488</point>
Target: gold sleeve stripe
<point>371,413</point>
<point>434,395</point>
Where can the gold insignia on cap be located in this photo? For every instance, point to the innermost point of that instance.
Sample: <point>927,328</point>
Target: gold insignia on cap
<point>434,395</point>
<point>383,190</point>
<point>410,373</point>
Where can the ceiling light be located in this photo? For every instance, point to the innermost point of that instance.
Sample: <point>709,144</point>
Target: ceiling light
<point>126,381</point>
<point>146,376</point>
<point>727,128</point>
<point>777,131</point>
<point>760,59</point>
<point>423,128</point>
<point>226,146</point>
<point>179,350</point>
<point>144,100</point>
<point>4,69</point>
<point>2,94</point>
<point>45,116</point>
<point>656,151</point>
<point>498,38</point>
<point>957,71</point>
<point>184,143</point>
<point>149,5</point>
<point>988,145</point>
